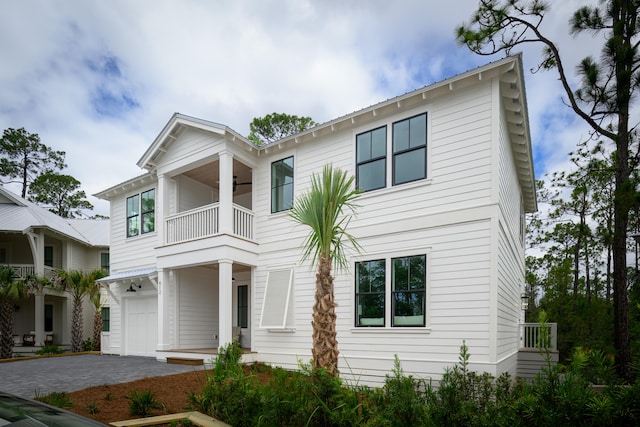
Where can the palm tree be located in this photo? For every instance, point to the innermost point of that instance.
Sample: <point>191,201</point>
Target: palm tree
<point>322,208</point>
<point>10,291</point>
<point>95,296</point>
<point>77,284</point>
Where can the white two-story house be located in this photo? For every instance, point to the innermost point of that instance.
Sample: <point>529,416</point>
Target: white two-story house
<point>203,248</point>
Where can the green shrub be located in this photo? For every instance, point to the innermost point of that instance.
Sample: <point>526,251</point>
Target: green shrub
<point>142,403</point>
<point>402,401</point>
<point>59,399</point>
<point>49,349</point>
<point>87,345</point>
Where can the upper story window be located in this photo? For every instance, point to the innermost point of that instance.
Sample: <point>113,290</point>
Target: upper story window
<point>410,149</point>
<point>141,212</point>
<point>371,159</point>
<point>104,261</point>
<point>282,185</point>
<point>408,154</point>
<point>399,296</point>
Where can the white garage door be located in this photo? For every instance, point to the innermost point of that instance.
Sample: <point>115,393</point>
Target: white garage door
<point>141,326</point>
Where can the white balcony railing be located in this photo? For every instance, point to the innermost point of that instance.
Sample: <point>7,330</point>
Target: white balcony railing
<point>531,337</point>
<point>242,222</point>
<point>204,222</point>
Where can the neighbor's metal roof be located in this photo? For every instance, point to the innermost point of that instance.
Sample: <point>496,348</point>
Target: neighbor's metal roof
<point>19,215</point>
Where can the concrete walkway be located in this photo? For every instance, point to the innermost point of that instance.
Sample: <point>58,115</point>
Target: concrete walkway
<point>28,378</point>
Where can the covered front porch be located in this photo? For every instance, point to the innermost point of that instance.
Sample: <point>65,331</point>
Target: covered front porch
<point>194,309</point>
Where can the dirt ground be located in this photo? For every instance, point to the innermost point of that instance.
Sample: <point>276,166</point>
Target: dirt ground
<point>108,403</point>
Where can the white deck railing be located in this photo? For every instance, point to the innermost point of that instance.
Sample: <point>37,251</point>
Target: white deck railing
<point>242,222</point>
<point>531,336</point>
<point>204,222</point>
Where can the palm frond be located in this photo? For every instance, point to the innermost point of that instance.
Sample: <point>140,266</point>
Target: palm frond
<point>327,208</point>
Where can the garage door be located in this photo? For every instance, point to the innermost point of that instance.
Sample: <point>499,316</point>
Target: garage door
<point>141,327</point>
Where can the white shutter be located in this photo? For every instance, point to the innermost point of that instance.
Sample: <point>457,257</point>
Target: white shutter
<point>277,295</point>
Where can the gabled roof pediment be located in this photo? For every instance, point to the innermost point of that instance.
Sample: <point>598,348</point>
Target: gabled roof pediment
<point>173,128</point>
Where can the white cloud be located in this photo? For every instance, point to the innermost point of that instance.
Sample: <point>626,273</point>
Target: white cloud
<point>230,61</point>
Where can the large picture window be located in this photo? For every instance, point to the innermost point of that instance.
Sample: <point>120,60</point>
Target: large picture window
<point>282,185</point>
<point>410,149</point>
<point>141,212</point>
<point>391,290</point>
<point>371,158</point>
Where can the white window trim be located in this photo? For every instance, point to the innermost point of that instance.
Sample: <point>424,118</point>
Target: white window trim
<point>277,300</point>
<point>388,256</point>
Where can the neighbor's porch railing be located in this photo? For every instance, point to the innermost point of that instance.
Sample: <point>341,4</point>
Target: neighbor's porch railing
<point>204,222</point>
<point>21,271</point>
<point>531,336</point>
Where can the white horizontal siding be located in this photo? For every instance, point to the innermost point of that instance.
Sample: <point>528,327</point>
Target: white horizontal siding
<point>197,308</point>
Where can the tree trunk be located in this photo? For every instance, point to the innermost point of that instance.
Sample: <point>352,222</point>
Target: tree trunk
<point>76,325</point>
<point>325,345</point>
<point>6,328</point>
<point>97,330</point>
<point>624,20</point>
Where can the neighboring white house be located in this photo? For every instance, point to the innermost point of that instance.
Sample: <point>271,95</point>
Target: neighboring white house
<point>202,244</point>
<point>34,241</point>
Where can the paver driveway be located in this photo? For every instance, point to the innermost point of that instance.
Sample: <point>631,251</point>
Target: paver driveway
<point>26,378</point>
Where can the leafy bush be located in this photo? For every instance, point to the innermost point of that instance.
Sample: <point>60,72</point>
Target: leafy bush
<point>49,349</point>
<point>59,399</point>
<point>307,397</point>
<point>142,403</point>
<point>87,345</point>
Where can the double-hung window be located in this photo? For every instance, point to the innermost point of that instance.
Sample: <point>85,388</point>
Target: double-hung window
<point>371,158</point>
<point>410,149</point>
<point>141,213</point>
<point>370,293</point>
<point>391,290</point>
<point>282,185</point>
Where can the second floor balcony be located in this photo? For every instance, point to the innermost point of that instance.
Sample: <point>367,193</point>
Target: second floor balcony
<point>205,221</point>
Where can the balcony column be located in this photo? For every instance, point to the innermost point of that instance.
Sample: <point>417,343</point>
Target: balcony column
<point>226,193</point>
<point>225,302</point>
<point>163,309</point>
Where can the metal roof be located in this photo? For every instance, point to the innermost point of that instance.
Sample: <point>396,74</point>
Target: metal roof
<point>19,215</point>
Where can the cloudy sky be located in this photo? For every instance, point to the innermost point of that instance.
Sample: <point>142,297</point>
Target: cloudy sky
<point>99,79</point>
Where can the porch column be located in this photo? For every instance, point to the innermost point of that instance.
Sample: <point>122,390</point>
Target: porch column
<point>39,318</point>
<point>225,301</point>
<point>225,218</point>
<point>163,310</point>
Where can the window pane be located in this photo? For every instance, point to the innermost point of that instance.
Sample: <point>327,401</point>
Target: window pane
<point>379,143</point>
<point>400,136</point>
<point>363,147</point>
<point>400,276</point>
<point>409,166</point>
<point>408,309</point>
<point>243,306</point>
<point>132,205</point>
<point>282,185</point>
<point>132,226</point>
<point>372,175</point>
<point>418,131</point>
<point>105,319</point>
<point>148,222</point>
<point>148,201</point>
<point>417,276</point>
<point>370,310</point>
